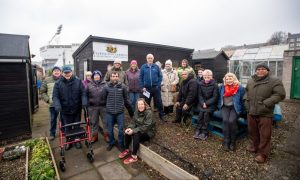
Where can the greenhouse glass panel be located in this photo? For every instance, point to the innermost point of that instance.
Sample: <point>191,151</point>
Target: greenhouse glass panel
<point>279,69</point>
<point>272,66</point>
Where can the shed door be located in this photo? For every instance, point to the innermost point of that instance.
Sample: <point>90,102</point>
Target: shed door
<point>296,78</point>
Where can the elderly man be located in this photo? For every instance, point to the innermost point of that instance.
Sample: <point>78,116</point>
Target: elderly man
<point>187,96</point>
<point>150,80</point>
<point>69,97</point>
<point>47,90</point>
<point>117,67</point>
<point>262,93</point>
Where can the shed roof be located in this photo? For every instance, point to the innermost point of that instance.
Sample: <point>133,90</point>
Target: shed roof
<point>208,54</point>
<point>14,46</point>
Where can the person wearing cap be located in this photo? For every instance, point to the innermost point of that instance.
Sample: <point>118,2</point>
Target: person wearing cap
<point>132,75</point>
<point>46,92</point>
<point>261,94</point>
<point>117,67</point>
<point>150,80</point>
<point>88,78</point>
<point>69,97</point>
<point>168,87</point>
<point>96,107</point>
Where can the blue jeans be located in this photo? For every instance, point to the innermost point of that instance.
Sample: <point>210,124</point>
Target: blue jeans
<point>133,96</point>
<point>111,119</point>
<point>53,117</point>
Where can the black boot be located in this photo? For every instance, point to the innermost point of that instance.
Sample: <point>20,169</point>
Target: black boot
<point>232,146</point>
<point>226,146</point>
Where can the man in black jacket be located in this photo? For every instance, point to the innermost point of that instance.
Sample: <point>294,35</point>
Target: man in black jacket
<point>116,96</point>
<point>187,97</point>
<point>69,97</point>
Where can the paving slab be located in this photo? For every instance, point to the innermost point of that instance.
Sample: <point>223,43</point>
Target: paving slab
<point>89,175</point>
<point>114,170</point>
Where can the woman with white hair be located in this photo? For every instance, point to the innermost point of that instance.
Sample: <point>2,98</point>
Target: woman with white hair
<point>168,87</point>
<point>88,78</point>
<point>231,106</point>
<point>208,93</point>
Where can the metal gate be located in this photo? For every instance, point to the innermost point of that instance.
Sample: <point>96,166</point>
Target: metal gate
<point>295,90</point>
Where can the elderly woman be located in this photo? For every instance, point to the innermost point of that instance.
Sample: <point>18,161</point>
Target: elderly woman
<point>184,66</point>
<point>132,75</point>
<point>208,93</point>
<point>231,105</point>
<point>141,129</point>
<point>168,87</point>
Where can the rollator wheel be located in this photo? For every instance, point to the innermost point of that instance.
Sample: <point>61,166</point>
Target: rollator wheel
<point>90,157</point>
<point>62,166</point>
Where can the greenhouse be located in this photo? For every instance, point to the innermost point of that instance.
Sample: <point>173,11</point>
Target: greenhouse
<point>244,61</point>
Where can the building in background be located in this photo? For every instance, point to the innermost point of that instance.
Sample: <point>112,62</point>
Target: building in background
<point>294,41</point>
<point>57,55</point>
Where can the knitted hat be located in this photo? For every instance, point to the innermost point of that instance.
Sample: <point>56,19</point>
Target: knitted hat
<point>133,62</point>
<point>169,62</point>
<point>117,61</point>
<point>56,67</point>
<point>262,66</point>
<point>97,72</point>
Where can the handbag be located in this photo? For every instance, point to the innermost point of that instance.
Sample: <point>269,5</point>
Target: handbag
<point>173,88</point>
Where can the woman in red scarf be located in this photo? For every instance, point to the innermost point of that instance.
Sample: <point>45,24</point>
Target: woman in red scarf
<point>231,105</point>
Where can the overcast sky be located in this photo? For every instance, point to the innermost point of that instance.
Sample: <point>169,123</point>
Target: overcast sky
<point>197,24</point>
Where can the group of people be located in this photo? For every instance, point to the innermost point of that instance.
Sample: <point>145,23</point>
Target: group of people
<point>105,96</point>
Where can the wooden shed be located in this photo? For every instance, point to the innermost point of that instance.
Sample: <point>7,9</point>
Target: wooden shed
<point>16,87</point>
<point>217,61</point>
<point>98,52</point>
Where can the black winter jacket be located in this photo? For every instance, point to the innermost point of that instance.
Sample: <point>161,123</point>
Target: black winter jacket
<point>188,91</point>
<point>116,96</point>
<point>94,92</point>
<point>208,94</point>
<point>69,95</point>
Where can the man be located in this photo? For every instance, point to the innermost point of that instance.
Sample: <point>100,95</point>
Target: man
<point>117,68</point>
<point>187,96</point>
<point>150,80</point>
<point>262,93</point>
<point>69,97</point>
<point>116,96</point>
<point>47,90</point>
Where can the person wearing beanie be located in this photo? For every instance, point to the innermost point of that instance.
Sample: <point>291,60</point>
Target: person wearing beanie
<point>96,105</point>
<point>88,78</point>
<point>262,92</point>
<point>132,75</point>
<point>46,93</point>
<point>168,87</point>
<point>117,67</point>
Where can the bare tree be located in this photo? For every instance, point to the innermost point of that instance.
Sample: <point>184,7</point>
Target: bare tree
<point>278,37</point>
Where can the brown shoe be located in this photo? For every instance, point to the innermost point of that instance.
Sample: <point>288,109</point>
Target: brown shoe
<point>260,158</point>
<point>94,138</point>
<point>251,149</point>
<point>106,137</point>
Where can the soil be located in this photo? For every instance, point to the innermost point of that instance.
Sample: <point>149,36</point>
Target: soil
<point>207,159</point>
<point>14,169</point>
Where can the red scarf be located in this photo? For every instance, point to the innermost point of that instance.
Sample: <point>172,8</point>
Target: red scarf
<point>230,90</point>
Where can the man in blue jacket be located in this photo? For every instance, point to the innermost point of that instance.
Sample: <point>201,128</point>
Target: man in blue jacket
<point>69,97</point>
<point>150,80</point>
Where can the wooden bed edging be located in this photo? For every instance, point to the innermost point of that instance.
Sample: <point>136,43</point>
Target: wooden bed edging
<point>26,168</point>
<point>160,164</point>
<point>53,160</point>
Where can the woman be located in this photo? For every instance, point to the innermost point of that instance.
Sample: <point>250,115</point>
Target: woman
<point>88,78</point>
<point>96,107</point>
<point>231,105</point>
<point>168,87</point>
<point>208,93</point>
<point>184,66</point>
<point>133,74</point>
<point>141,129</point>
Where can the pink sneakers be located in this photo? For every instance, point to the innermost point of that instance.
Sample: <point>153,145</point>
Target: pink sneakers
<point>124,153</point>
<point>130,159</point>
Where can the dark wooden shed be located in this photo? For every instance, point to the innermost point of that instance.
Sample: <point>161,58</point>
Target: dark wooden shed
<point>97,52</point>
<point>213,60</point>
<point>17,100</point>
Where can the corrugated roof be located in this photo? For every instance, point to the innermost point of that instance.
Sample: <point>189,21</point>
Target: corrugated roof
<point>207,54</point>
<point>14,46</point>
<point>264,52</point>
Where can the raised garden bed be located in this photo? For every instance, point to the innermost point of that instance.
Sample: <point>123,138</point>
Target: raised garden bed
<point>32,159</point>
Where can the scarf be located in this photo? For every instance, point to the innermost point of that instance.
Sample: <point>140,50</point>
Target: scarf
<point>230,90</point>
